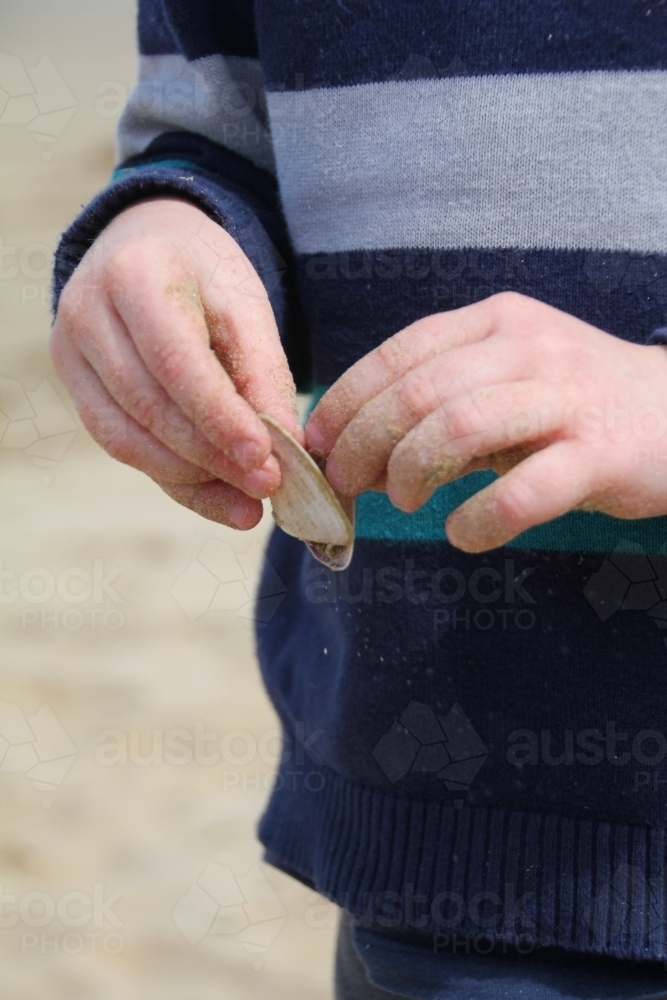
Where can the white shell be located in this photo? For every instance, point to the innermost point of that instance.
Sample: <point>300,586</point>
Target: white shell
<point>305,505</point>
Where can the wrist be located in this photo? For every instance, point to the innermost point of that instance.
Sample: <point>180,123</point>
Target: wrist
<point>162,214</point>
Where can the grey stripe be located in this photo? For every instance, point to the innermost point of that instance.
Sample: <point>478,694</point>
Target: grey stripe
<point>573,160</point>
<point>218,97</point>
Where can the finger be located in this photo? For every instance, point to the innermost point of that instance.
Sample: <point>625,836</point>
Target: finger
<point>363,449</point>
<point>168,325</point>
<point>544,486</point>
<point>412,346</point>
<point>242,327</point>
<point>216,501</point>
<point>117,432</point>
<point>111,352</point>
<point>126,440</point>
<point>490,422</point>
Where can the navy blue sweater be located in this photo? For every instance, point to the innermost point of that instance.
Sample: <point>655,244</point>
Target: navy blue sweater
<point>473,744</point>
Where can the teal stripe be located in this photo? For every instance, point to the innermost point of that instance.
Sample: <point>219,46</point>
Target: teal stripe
<point>376,516</point>
<point>578,531</point>
<point>126,171</point>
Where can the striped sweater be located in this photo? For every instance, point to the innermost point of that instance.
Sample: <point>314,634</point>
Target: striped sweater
<point>473,744</point>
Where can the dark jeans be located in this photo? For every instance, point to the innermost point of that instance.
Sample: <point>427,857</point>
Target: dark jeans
<point>403,969</point>
<point>351,980</point>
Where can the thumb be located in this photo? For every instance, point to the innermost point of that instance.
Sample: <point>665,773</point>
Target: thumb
<point>242,327</point>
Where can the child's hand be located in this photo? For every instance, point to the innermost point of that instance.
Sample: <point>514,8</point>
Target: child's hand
<point>167,342</point>
<point>568,415</point>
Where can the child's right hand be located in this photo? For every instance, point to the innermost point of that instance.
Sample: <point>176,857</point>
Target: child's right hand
<point>166,340</point>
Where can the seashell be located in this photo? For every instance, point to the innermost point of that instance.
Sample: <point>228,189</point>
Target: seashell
<point>305,505</point>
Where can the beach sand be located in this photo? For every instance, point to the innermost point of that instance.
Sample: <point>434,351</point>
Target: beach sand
<point>138,787</point>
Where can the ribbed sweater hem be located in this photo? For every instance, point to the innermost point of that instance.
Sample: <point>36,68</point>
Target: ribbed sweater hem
<point>474,872</point>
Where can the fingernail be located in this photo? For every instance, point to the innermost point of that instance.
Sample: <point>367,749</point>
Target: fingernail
<point>240,515</point>
<point>257,482</point>
<point>315,437</point>
<point>334,475</point>
<point>247,454</point>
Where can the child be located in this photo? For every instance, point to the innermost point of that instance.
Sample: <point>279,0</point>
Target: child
<point>474,723</point>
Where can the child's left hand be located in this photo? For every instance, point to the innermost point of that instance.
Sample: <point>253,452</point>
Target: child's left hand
<point>570,416</point>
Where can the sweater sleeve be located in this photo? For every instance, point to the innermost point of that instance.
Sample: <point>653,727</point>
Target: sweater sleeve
<point>195,126</point>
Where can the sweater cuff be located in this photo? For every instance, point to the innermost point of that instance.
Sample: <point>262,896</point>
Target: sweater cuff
<point>135,184</point>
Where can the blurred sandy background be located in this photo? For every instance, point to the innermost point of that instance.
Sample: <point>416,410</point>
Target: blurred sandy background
<point>136,742</point>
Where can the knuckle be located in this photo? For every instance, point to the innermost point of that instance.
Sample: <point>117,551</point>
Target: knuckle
<point>515,502</point>
<point>508,304</point>
<point>130,257</point>
<point>389,354</point>
<point>170,359</point>
<point>416,396</point>
<point>510,300</point>
<point>136,259</point>
<point>142,405</point>
<point>462,419</point>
